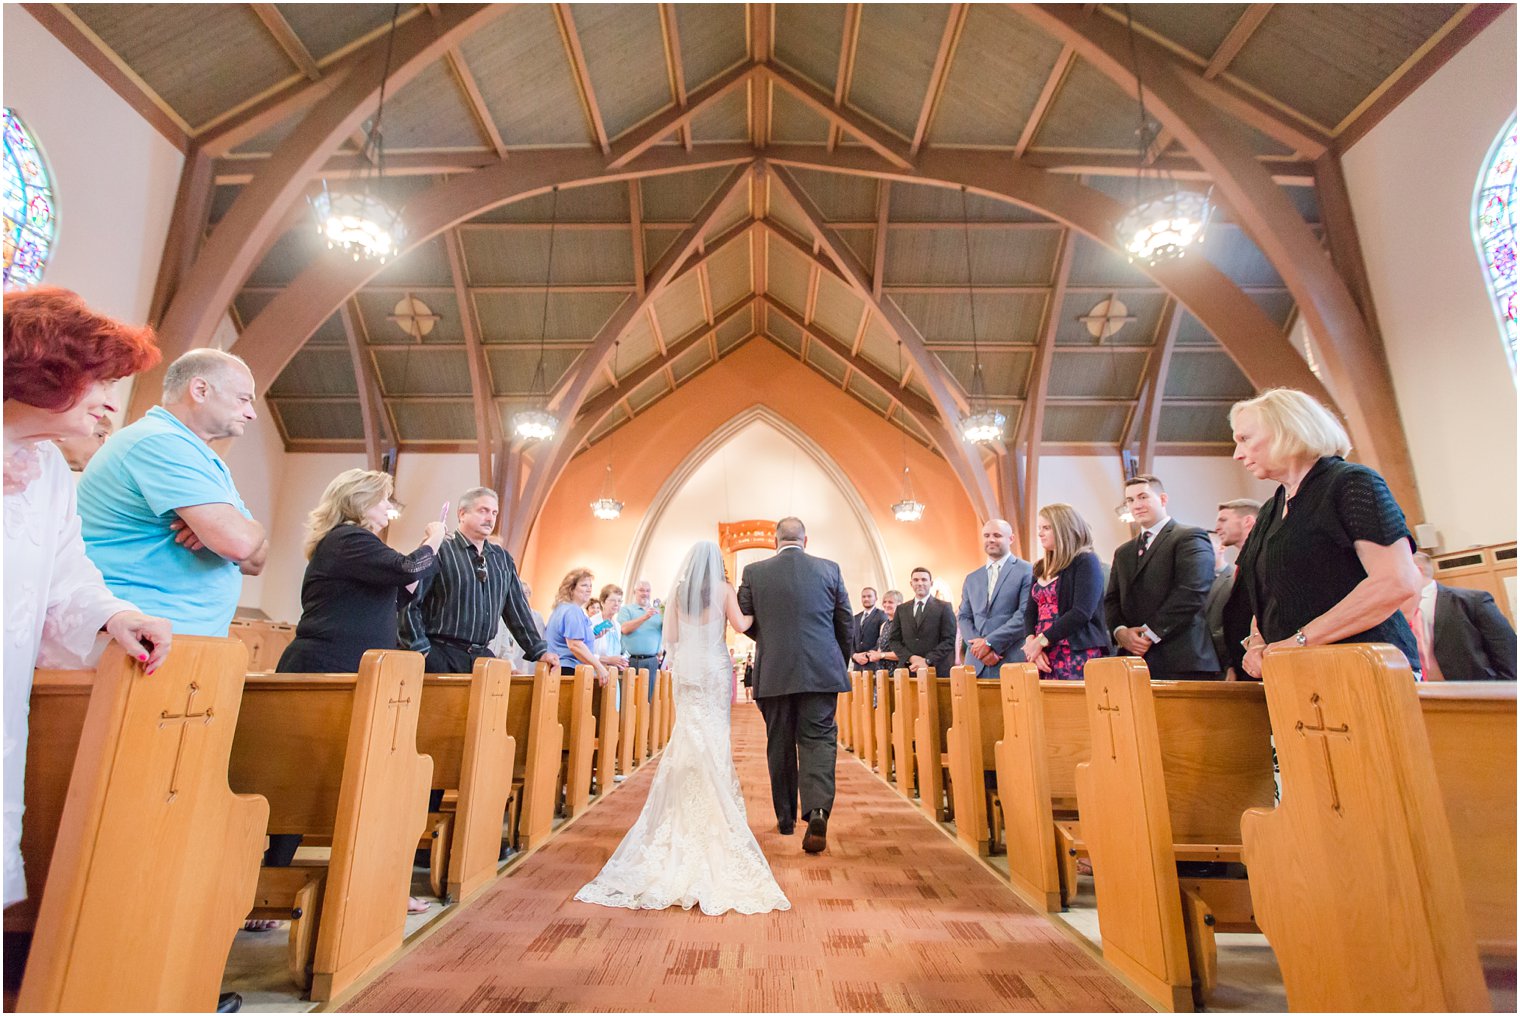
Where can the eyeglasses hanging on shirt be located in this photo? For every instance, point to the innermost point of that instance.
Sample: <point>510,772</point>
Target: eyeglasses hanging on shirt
<point>480,563</point>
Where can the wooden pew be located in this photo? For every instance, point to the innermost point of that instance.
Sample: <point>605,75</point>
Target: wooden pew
<point>976,725</point>
<point>533,719</point>
<point>934,712</point>
<point>642,742</point>
<point>1471,726</point>
<point>1045,737</point>
<point>666,690</point>
<point>883,726</point>
<point>863,720</point>
<point>464,728</point>
<point>140,861</point>
<point>1173,767</point>
<point>904,728</point>
<point>266,641</point>
<point>609,726</point>
<point>336,756</point>
<point>1355,876</point>
<point>575,716</point>
<point>844,713</point>
<point>629,717</point>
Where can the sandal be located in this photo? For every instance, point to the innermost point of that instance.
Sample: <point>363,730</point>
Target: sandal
<point>261,925</point>
<point>417,905</point>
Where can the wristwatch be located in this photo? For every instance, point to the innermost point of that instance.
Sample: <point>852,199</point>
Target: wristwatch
<point>1300,637</point>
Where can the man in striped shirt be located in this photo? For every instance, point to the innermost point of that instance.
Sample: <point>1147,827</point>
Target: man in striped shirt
<point>452,616</point>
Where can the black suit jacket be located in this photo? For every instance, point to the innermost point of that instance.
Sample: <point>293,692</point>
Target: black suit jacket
<point>931,636</point>
<point>867,629</point>
<point>802,628</point>
<point>1166,590</point>
<point>1474,641</point>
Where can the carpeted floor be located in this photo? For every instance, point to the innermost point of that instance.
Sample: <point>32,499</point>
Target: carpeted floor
<point>894,917</point>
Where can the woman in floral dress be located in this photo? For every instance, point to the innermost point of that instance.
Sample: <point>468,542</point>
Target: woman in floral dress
<point>1065,607</point>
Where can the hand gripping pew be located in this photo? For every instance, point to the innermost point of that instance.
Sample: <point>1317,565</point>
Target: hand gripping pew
<point>336,756</point>
<point>1355,875</point>
<point>1173,767</point>
<point>976,726</point>
<point>464,728</point>
<point>143,860</point>
<point>882,680</point>
<point>904,726</point>
<point>933,719</point>
<point>1045,737</point>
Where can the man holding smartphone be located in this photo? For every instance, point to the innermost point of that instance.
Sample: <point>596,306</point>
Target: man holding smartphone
<point>643,625</point>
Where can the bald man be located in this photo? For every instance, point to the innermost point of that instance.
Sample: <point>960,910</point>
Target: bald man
<point>992,603</point>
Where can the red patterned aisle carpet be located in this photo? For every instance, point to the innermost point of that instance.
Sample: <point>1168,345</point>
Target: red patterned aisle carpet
<point>894,917</point>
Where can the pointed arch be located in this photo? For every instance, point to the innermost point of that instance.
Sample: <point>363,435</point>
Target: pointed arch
<point>710,445</point>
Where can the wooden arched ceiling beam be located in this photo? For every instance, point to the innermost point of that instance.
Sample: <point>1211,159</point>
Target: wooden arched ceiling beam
<point>1032,419</point>
<point>1351,351</point>
<point>251,224</point>
<point>963,460</point>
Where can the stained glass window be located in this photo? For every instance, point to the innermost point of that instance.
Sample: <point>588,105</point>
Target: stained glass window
<point>1494,233</point>
<point>30,214</point>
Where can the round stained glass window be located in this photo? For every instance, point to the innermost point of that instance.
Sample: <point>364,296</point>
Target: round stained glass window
<point>30,214</point>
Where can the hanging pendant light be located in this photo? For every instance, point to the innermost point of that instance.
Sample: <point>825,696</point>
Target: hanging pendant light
<point>537,423</point>
<point>608,507</point>
<point>355,218</point>
<point>1163,227</point>
<point>985,423</point>
<point>909,509</point>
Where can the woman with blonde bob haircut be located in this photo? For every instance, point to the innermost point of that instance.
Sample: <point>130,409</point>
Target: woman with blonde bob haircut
<point>1330,559</point>
<point>1064,611</point>
<point>569,630</point>
<point>354,582</point>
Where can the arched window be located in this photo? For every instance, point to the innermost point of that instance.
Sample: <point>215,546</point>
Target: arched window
<point>1494,233</point>
<point>30,214</point>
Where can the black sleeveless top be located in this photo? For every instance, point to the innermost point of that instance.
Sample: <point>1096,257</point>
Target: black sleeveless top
<point>1302,565</point>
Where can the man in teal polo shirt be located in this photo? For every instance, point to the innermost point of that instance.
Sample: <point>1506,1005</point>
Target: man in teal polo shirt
<point>162,518</point>
<point>643,624</point>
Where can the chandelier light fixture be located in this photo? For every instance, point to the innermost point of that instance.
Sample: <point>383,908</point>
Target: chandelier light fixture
<point>909,509</point>
<point>1166,220</point>
<point>355,218</point>
<point>537,423</point>
<point>607,507</point>
<point>985,423</point>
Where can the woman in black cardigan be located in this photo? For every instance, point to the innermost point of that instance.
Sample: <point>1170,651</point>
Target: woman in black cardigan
<point>1065,606</point>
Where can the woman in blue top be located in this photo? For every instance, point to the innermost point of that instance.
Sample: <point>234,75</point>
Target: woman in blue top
<point>569,631</point>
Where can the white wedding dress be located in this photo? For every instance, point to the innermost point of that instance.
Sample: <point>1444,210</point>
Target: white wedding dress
<point>691,845</point>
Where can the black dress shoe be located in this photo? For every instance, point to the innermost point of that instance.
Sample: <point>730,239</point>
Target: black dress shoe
<point>817,836</point>
<point>786,826</point>
<point>229,1001</point>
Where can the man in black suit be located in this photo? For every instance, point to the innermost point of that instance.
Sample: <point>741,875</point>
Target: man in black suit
<point>1471,638</point>
<point>1228,611</point>
<point>803,643</point>
<point>924,633</point>
<point>867,627</point>
<point>1156,589</point>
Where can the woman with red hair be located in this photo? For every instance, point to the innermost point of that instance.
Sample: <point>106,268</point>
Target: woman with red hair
<point>62,362</point>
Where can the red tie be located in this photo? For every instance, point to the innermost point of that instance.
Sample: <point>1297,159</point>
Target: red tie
<point>1429,669</point>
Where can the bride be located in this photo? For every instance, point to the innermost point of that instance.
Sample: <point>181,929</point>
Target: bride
<point>692,845</point>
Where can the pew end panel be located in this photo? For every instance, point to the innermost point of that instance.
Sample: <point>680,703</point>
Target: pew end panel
<point>543,736</point>
<point>1023,777</point>
<point>976,726</point>
<point>609,725</point>
<point>882,682</point>
<point>1354,875</point>
<point>904,732</point>
<point>149,780</point>
<point>487,768</point>
<point>382,810</point>
<point>629,721</point>
<point>934,711</point>
<point>641,695</point>
<point>577,719</point>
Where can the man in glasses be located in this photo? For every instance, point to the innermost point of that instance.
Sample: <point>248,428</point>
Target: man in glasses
<point>452,616</point>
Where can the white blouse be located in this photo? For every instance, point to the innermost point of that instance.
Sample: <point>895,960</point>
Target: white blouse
<point>55,605</point>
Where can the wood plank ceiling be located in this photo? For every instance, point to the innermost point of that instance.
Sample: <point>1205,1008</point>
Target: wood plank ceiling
<point>453,330</point>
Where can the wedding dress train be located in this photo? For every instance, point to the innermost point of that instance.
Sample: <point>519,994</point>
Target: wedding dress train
<point>691,845</point>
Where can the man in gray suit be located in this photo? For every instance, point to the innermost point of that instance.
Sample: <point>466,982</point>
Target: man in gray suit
<point>803,635</point>
<point>992,623</point>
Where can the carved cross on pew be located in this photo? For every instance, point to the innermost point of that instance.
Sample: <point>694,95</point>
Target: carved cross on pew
<point>398,703</point>
<point>183,720</point>
<point>497,715</point>
<point>1324,732</point>
<point>1015,701</point>
<point>1113,748</point>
